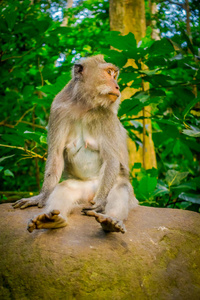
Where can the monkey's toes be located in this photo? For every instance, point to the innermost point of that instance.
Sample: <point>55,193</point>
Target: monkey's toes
<point>110,224</point>
<point>120,226</point>
<point>94,209</point>
<point>31,226</point>
<point>90,213</point>
<point>113,225</point>
<point>55,212</point>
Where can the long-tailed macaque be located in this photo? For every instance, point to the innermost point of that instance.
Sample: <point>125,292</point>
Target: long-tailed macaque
<point>87,143</point>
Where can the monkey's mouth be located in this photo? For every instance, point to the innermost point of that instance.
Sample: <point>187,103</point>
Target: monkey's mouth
<point>114,94</point>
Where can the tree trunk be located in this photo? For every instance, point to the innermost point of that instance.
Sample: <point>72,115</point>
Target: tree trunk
<point>187,8</point>
<point>129,16</point>
<point>65,19</point>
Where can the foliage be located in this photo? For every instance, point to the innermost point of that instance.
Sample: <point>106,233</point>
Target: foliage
<point>174,79</point>
<point>172,17</point>
<point>36,57</point>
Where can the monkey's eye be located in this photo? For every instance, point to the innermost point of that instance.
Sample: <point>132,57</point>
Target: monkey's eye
<point>109,71</point>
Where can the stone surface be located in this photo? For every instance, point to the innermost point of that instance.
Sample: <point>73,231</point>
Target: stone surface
<point>158,258</point>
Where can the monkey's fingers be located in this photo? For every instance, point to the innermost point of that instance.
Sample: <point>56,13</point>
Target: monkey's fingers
<point>16,204</point>
<point>23,203</point>
<point>41,204</point>
<point>32,201</point>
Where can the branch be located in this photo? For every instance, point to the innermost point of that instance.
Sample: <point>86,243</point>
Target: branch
<point>2,123</point>
<point>42,80</point>
<point>31,153</point>
<point>26,112</point>
<point>11,57</point>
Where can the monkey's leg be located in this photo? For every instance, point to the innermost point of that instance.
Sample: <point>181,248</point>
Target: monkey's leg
<point>116,209</point>
<point>66,196</point>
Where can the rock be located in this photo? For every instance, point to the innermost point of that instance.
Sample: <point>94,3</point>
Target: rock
<point>158,258</point>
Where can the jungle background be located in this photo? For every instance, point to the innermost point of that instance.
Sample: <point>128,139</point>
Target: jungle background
<point>155,44</point>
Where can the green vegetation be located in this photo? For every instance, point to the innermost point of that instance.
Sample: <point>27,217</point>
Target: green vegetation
<point>37,53</point>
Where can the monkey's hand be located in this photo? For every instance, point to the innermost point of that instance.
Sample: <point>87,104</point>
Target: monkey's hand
<point>38,200</point>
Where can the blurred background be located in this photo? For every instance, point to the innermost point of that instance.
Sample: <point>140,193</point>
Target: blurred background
<point>156,45</point>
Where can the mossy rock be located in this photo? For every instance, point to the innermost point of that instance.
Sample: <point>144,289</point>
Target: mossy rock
<point>158,258</point>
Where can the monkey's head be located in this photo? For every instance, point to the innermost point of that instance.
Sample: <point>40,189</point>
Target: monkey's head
<point>96,81</point>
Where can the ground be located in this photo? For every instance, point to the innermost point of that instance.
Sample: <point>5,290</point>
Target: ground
<point>157,258</point>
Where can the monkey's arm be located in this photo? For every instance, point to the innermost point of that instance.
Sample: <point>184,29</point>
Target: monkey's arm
<point>110,171</point>
<point>54,166</point>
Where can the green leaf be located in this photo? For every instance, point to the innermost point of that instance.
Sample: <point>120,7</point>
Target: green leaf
<point>194,198</point>
<point>161,47</point>
<point>160,190</point>
<point>35,136</point>
<point>5,157</point>
<point>129,107</point>
<point>159,80</point>
<point>189,106</point>
<point>174,177</point>
<point>194,132</point>
<point>177,148</point>
<point>165,121</point>
<point>115,57</point>
<point>149,72</point>
<point>152,172</point>
<point>126,77</point>
<point>168,149</point>
<point>43,25</point>
<point>11,18</point>
<point>142,96</point>
<point>126,42</point>
<point>137,166</point>
<point>147,40</point>
<point>146,186</point>
<point>8,173</point>
<point>28,91</point>
<point>187,39</point>
<point>185,186</point>
<point>186,152</point>
<point>43,139</point>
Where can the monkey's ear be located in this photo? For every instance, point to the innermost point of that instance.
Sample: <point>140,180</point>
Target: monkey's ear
<point>78,70</point>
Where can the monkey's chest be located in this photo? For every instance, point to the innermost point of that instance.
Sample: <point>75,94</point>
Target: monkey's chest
<point>83,155</point>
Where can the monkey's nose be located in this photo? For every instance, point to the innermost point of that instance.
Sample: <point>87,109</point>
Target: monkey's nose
<point>117,87</point>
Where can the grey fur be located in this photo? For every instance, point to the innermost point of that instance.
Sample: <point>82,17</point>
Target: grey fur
<point>86,140</point>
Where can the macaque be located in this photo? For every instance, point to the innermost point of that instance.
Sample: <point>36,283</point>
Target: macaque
<point>86,143</point>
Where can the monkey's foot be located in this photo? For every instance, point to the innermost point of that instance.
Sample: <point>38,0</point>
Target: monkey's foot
<point>109,224</point>
<point>47,221</point>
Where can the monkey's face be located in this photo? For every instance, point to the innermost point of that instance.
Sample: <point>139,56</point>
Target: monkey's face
<point>111,74</point>
<point>107,86</point>
<point>98,79</point>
